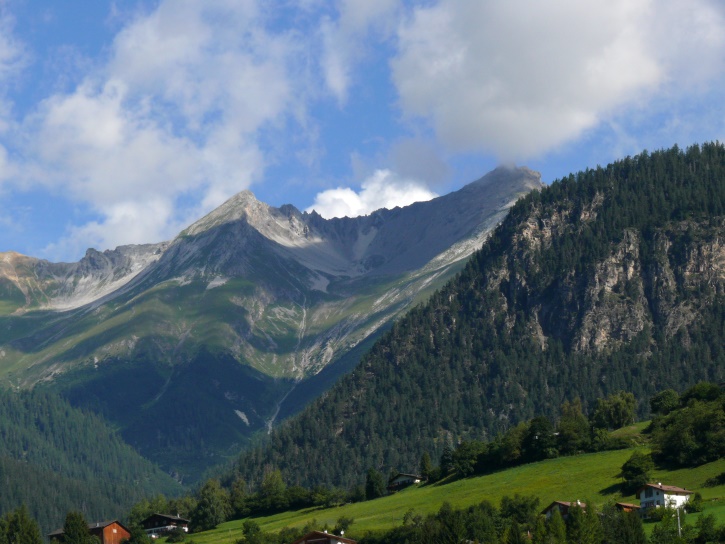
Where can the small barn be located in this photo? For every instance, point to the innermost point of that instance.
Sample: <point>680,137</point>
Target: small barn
<point>108,532</point>
<point>627,507</point>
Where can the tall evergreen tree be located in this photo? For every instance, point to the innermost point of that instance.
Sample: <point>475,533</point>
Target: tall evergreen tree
<point>374,484</point>
<point>426,466</point>
<point>556,528</point>
<point>582,525</point>
<point>574,429</point>
<point>17,527</point>
<point>75,530</point>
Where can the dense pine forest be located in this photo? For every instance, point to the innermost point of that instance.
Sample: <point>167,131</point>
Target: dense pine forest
<point>609,280</point>
<point>55,458</point>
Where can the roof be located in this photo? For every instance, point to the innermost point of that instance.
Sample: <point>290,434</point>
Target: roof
<point>626,505</point>
<point>169,517</point>
<point>91,526</point>
<point>669,489</point>
<point>564,503</point>
<point>319,536</point>
<point>404,475</point>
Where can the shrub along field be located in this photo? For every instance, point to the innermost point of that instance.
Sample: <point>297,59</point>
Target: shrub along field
<point>589,477</point>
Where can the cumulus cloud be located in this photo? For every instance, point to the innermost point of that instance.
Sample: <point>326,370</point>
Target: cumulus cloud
<point>173,117</point>
<point>383,189</point>
<point>520,78</point>
<point>343,39</point>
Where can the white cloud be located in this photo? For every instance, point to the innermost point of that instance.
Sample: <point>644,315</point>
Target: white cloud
<point>12,53</point>
<point>124,222</point>
<point>520,78</point>
<point>343,39</point>
<point>383,189</point>
<point>174,117</point>
<point>100,151</point>
<point>12,60</point>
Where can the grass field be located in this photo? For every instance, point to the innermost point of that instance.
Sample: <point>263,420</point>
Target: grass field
<point>591,477</point>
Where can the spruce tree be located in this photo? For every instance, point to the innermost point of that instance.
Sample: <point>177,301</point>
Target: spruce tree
<point>75,529</point>
<point>17,527</point>
<point>374,485</point>
<point>556,528</point>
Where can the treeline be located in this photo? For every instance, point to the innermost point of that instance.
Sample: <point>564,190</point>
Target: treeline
<point>502,343</point>
<point>55,458</point>
<point>538,439</point>
<point>697,413</point>
<point>215,502</point>
<point>233,497</point>
<point>518,520</point>
<point>686,430</point>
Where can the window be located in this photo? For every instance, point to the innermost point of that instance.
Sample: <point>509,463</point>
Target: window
<point>648,492</point>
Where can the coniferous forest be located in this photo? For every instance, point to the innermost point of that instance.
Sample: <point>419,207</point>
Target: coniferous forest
<point>608,280</point>
<point>55,458</point>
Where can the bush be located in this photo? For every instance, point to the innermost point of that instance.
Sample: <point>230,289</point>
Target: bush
<point>715,480</point>
<point>176,535</point>
<point>694,504</point>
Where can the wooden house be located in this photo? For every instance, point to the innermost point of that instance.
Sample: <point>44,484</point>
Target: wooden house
<point>159,524</point>
<point>108,532</point>
<point>563,508</point>
<point>403,480</point>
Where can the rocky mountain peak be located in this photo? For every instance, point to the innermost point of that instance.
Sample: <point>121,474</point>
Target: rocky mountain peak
<point>241,205</point>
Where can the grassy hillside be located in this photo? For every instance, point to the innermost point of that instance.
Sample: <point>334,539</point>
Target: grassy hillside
<point>587,477</point>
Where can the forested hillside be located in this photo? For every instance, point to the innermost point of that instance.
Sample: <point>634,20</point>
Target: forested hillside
<point>55,458</point>
<point>610,279</point>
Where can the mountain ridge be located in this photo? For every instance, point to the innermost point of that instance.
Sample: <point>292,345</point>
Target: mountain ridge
<point>245,306</point>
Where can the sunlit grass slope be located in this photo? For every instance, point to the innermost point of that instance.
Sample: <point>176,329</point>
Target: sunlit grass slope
<point>586,477</point>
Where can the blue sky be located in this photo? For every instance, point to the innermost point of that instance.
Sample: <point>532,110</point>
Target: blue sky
<point>123,122</point>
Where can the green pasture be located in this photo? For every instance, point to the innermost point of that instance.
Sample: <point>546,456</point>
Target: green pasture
<point>591,477</point>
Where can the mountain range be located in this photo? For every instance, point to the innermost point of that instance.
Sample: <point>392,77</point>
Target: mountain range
<point>193,346</point>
